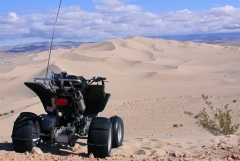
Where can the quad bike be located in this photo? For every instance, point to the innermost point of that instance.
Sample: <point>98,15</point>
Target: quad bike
<point>72,104</point>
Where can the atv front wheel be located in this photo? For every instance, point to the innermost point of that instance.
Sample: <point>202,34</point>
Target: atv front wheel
<point>25,133</point>
<point>117,131</point>
<point>100,137</point>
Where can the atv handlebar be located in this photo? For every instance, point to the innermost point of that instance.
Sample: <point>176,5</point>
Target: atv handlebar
<point>93,79</point>
<point>67,80</point>
<point>72,82</point>
<point>97,79</point>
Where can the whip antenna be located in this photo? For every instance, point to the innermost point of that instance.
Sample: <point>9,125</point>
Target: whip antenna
<point>52,38</point>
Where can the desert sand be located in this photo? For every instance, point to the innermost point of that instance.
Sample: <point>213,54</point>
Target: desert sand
<point>151,81</point>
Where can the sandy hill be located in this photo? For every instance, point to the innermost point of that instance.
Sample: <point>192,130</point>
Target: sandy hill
<point>152,83</point>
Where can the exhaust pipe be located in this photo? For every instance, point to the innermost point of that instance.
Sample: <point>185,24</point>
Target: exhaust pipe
<point>79,100</point>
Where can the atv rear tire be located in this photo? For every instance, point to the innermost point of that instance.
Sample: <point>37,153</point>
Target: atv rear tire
<point>117,131</point>
<point>25,133</point>
<point>100,137</point>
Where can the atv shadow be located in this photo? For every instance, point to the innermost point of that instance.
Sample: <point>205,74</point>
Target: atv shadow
<point>58,149</point>
<point>64,150</point>
<point>6,146</point>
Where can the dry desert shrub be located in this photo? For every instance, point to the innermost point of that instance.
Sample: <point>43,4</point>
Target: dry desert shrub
<point>188,113</point>
<point>220,123</point>
<point>175,125</point>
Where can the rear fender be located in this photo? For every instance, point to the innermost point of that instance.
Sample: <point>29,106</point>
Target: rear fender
<point>105,101</point>
<point>43,92</point>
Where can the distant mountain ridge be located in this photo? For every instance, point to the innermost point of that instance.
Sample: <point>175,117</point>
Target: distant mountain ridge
<point>207,38</point>
<point>38,47</point>
<point>44,46</point>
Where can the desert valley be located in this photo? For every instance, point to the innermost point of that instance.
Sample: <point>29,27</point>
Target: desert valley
<point>156,86</point>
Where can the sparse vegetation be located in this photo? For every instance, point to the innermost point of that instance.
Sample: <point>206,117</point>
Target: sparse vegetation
<point>188,113</point>
<point>219,123</point>
<point>175,125</point>
<point>197,116</point>
<point>12,111</point>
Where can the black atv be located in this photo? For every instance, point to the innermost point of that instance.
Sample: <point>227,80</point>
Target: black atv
<point>72,104</point>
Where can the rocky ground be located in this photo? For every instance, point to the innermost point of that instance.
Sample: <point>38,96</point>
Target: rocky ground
<point>221,151</point>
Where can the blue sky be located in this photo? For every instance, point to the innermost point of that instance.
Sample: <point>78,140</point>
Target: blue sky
<point>27,21</point>
<point>149,5</point>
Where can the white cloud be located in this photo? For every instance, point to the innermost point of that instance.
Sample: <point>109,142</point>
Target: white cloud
<point>182,15</point>
<point>13,15</point>
<point>115,19</point>
<point>116,6</point>
<point>11,18</point>
<point>224,11</point>
<point>232,26</point>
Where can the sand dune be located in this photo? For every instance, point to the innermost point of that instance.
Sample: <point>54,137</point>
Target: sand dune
<point>119,42</point>
<point>152,66</point>
<point>100,46</point>
<point>77,57</point>
<point>152,83</point>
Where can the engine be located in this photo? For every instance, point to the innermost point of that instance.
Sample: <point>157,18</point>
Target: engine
<point>63,134</point>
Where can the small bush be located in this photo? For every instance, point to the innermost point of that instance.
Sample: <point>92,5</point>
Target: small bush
<point>188,113</point>
<point>197,116</point>
<point>181,125</point>
<point>12,111</point>
<point>221,121</point>
<point>175,125</point>
<point>5,113</point>
<point>234,101</point>
<point>0,114</point>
